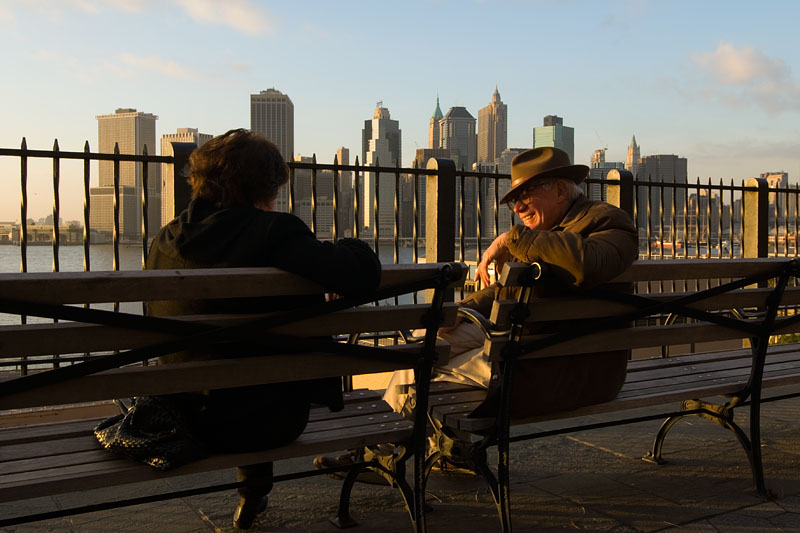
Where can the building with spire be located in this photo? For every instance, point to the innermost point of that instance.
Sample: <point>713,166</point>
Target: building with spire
<point>555,134</point>
<point>434,132</point>
<point>634,156</point>
<point>492,130</point>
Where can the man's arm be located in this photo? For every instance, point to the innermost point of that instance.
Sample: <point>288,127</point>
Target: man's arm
<point>586,255</point>
<point>498,252</point>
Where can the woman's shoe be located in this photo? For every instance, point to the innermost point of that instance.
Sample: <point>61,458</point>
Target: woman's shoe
<point>247,510</point>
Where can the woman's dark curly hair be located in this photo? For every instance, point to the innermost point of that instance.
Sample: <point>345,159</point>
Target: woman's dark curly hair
<point>237,168</point>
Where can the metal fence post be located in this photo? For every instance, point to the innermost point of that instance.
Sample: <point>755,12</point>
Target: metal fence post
<point>440,212</point>
<point>178,173</point>
<point>620,190</point>
<point>755,221</point>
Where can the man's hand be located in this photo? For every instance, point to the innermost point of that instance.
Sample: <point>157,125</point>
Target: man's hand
<point>447,329</point>
<point>497,252</point>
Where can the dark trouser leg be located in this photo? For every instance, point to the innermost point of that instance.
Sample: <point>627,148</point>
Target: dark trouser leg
<point>258,478</point>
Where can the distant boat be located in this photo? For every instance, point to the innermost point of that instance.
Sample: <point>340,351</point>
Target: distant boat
<point>667,245</point>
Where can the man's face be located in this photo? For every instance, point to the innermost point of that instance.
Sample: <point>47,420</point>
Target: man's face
<point>542,204</point>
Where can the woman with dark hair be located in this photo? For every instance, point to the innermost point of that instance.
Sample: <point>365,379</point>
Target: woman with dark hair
<point>231,222</point>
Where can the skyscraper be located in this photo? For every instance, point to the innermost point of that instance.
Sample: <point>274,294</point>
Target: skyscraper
<point>599,170</point>
<point>131,131</point>
<point>346,202</point>
<point>434,132</point>
<point>492,129</point>
<point>662,171</point>
<point>778,180</point>
<point>183,135</point>
<point>554,134</point>
<point>272,116</point>
<point>381,146</point>
<point>457,128</point>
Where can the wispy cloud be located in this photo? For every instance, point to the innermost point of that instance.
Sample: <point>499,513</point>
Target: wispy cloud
<point>241,15</point>
<point>6,15</point>
<point>240,67</point>
<point>745,76</point>
<point>167,68</point>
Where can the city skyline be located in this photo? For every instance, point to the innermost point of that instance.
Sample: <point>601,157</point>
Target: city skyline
<point>725,95</point>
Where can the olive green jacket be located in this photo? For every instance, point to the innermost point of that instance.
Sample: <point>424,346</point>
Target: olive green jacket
<point>592,244</point>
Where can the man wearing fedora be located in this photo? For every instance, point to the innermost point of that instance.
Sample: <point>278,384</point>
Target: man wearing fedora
<point>586,243</point>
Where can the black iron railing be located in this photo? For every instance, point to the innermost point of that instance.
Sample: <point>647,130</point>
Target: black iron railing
<point>388,207</point>
<point>409,215</point>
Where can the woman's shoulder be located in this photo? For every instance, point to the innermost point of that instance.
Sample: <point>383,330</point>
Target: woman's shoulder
<point>279,219</point>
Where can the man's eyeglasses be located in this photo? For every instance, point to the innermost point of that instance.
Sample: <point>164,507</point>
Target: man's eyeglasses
<point>527,193</point>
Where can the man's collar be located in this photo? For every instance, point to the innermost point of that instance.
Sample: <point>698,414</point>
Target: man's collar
<point>574,209</point>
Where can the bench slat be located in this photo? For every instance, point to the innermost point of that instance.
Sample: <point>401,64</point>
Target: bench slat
<point>213,374</point>
<point>118,471</point>
<point>576,308</point>
<point>636,337</point>
<point>135,286</point>
<point>682,269</point>
<point>69,337</point>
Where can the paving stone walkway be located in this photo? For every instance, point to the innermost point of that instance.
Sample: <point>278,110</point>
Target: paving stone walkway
<point>593,480</point>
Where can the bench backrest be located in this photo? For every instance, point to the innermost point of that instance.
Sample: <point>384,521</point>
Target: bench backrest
<point>599,307</point>
<point>86,341</point>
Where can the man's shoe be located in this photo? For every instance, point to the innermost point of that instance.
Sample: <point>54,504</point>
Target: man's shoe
<point>453,466</point>
<point>247,510</point>
<point>345,462</point>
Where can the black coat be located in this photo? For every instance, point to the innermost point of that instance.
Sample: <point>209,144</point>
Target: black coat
<point>205,237</point>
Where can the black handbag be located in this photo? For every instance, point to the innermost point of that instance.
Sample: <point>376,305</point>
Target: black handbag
<point>155,430</point>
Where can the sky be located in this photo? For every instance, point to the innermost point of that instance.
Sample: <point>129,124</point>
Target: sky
<point>714,81</point>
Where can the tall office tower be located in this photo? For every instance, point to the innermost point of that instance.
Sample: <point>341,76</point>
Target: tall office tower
<point>457,129</point>
<point>634,156</point>
<point>777,201</point>
<point>421,157</point>
<point>345,208</point>
<point>131,131</point>
<point>381,146</point>
<point>504,162</point>
<point>434,131</point>
<point>598,156</point>
<point>703,217</point>
<point>492,129</point>
<point>169,209</point>
<point>504,215</point>
<point>599,170</point>
<point>272,116</point>
<point>554,134</point>
<point>661,171</point>
<point>318,188</point>
<point>495,217</point>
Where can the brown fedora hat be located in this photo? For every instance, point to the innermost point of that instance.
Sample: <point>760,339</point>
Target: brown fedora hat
<point>541,163</point>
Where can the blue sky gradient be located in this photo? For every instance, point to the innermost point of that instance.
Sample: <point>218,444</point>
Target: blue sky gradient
<point>714,81</point>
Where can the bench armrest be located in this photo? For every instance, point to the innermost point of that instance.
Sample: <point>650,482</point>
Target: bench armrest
<point>482,322</point>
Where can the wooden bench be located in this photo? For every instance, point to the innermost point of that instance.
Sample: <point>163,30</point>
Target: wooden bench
<point>96,354</point>
<point>745,301</point>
